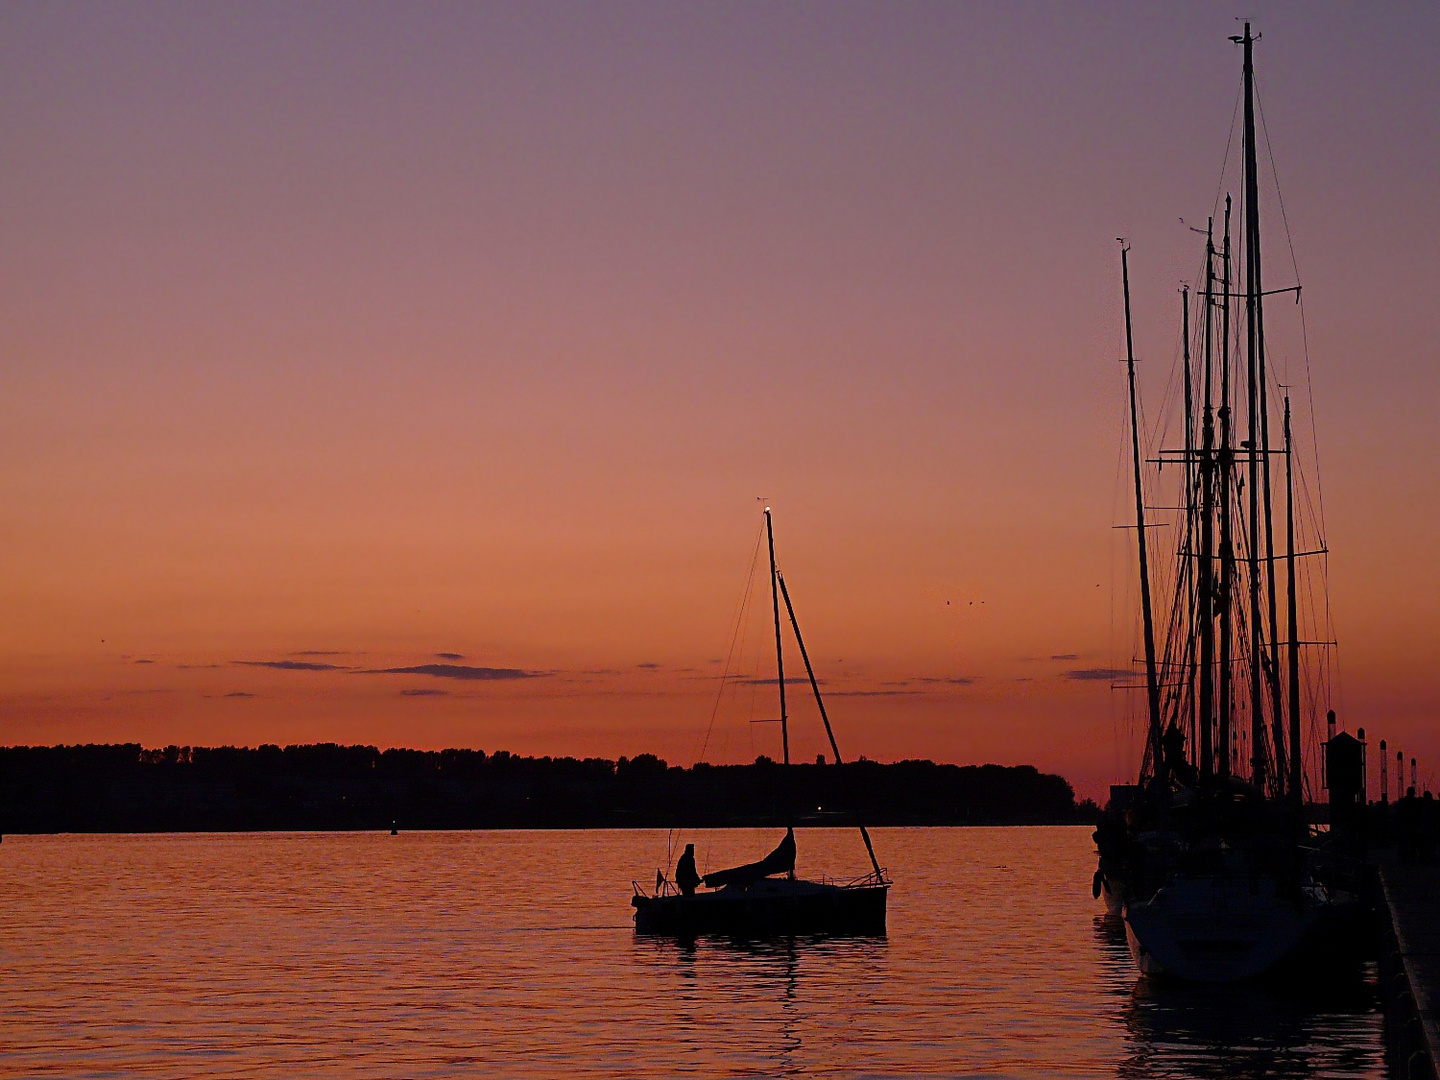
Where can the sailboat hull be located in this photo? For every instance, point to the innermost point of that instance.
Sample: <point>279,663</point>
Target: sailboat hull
<point>1112,893</point>
<point>1224,929</point>
<point>773,907</point>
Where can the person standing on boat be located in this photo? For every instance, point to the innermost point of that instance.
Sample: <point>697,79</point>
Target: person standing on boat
<point>1179,770</point>
<point>685,874</point>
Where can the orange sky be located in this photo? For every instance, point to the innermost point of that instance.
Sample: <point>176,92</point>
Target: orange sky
<point>358,335</point>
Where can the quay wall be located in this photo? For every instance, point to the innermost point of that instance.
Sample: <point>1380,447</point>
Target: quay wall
<point>1409,945</point>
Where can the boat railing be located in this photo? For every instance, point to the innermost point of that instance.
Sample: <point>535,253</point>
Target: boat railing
<point>864,881</point>
<point>663,887</point>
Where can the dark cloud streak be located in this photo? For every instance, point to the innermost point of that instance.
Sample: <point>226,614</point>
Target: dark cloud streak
<point>790,680</point>
<point>458,671</point>
<point>1097,674</point>
<point>290,665</point>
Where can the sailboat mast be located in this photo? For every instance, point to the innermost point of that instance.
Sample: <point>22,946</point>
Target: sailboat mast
<point>1297,793</point>
<point>1252,401</point>
<point>1227,539</point>
<point>1257,316</point>
<point>1152,686</point>
<point>829,731</point>
<point>1192,510</point>
<point>1272,669</point>
<point>1206,575</point>
<point>779,650</point>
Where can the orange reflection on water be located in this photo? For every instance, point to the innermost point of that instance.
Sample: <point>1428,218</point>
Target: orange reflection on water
<point>512,954</point>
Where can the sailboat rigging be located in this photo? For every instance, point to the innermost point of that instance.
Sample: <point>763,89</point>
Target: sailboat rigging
<point>1208,858</point>
<point>765,897</point>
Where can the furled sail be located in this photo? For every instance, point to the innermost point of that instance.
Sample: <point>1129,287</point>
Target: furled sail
<point>779,861</point>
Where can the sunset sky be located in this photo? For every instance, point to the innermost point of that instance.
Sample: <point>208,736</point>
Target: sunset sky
<point>343,339</point>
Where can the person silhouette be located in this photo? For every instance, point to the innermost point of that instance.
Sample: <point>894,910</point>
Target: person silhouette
<point>685,874</point>
<point>1180,770</point>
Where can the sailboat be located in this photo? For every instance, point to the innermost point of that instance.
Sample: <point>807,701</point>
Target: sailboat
<point>1208,858</point>
<point>766,897</point>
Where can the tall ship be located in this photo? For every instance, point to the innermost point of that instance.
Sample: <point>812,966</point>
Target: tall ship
<point>766,897</point>
<point>1208,857</point>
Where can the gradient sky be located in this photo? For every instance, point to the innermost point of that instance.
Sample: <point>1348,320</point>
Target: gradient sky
<point>334,339</point>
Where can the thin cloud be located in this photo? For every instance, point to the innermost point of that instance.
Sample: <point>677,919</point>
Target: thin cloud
<point>648,666</point>
<point>1097,674</point>
<point>873,693</point>
<point>953,680</point>
<point>422,692</point>
<point>144,661</point>
<point>449,656</point>
<point>457,671</point>
<point>1065,656</point>
<point>290,665</point>
<point>239,693</point>
<point>318,652</point>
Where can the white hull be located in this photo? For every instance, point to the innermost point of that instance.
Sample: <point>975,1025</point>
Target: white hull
<point>1221,929</point>
<point>1113,896</point>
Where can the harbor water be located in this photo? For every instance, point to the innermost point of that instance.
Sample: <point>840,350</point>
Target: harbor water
<point>513,954</point>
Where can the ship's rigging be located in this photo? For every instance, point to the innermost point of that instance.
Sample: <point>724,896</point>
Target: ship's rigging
<point>1236,632</point>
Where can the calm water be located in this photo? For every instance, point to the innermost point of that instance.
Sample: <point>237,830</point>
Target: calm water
<point>511,953</point>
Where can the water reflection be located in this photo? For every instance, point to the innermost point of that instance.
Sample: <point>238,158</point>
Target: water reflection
<point>1110,937</point>
<point>374,956</point>
<point>778,982</point>
<point>1281,1032</point>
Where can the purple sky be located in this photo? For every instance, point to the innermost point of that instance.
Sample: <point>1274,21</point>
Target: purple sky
<point>382,327</point>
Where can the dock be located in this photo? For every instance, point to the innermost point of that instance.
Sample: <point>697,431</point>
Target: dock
<point>1409,916</point>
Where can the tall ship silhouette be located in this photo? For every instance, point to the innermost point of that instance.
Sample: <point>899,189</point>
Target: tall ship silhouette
<point>1209,857</point>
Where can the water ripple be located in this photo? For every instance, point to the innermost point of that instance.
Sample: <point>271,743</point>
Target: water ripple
<point>511,954</point>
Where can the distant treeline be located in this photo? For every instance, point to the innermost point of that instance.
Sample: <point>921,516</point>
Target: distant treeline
<point>126,788</point>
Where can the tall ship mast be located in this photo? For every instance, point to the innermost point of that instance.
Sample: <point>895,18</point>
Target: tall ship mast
<point>1208,857</point>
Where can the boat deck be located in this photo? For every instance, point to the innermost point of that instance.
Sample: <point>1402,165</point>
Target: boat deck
<point>1410,966</point>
